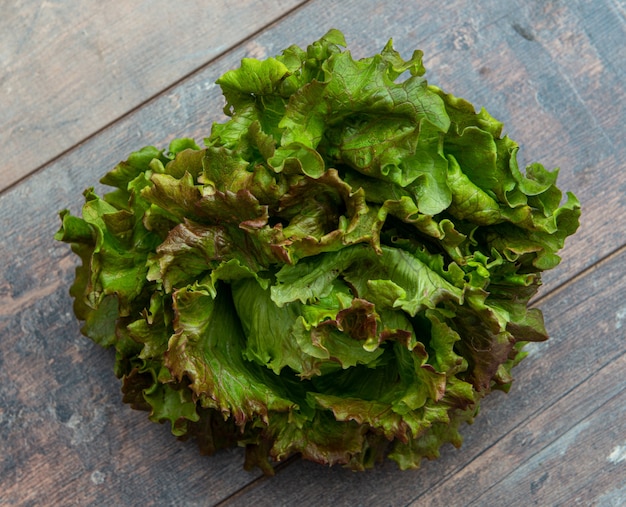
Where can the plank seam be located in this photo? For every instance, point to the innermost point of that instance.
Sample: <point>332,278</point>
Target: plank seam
<point>548,444</point>
<point>255,482</point>
<point>153,97</point>
<point>521,423</point>
<point>581,274</point>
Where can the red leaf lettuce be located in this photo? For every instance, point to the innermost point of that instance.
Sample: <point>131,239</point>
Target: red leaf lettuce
<point>342,271</point>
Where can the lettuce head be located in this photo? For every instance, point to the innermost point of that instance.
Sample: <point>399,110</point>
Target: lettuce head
<point>342,271</point>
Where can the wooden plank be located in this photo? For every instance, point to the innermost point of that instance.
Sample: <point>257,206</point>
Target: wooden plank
<point>569,392</point>
<point>67,70</point>
<point>537,461</point>
<point>560,474</point>
<point>47,360</point>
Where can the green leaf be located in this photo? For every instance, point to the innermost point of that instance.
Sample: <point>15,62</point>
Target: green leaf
<point>257,77</point>
<point>207,348</point>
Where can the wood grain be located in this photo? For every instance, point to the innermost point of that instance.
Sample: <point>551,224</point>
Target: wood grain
<point>67,71</point>
<point>596,414</point>
<point>552,71</point>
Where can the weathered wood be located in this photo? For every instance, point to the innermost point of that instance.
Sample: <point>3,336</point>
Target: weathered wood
<point>551,71</point>
<point>67,69</point>
<point>559,474</point>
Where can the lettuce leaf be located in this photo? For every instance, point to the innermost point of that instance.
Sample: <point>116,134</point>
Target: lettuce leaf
<point>342,271</point>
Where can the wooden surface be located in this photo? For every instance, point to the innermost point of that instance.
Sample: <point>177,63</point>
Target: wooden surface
<point>81,87</point>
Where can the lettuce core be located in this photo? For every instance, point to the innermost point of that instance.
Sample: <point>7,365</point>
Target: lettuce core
<point>343,271</point>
